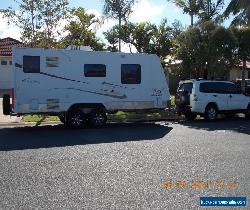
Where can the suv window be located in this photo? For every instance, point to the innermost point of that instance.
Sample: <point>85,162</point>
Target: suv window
<point>230,88</point>
<point>186,87</point>
<point>218,87</point>
<point>3,62</point>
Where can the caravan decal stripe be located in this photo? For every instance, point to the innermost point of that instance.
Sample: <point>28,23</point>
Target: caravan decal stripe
<point>64,78</point>
<point>88,91</point>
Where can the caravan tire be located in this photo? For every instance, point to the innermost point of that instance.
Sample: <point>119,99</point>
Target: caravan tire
<point>76,119</point>
<point>6,105</point>
<point>97,118</point>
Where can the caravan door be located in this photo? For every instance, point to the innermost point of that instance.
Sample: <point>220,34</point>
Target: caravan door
<point>28,83</point>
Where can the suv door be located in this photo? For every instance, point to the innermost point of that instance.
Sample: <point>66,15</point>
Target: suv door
<point>235,98</point>
<point>214,92</point>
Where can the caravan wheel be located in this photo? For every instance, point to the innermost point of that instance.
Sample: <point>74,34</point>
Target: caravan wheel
<point>97,118</point>
<point>76,119</point>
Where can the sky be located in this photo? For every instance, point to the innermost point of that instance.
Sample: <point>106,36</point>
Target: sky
<point>145,10</point>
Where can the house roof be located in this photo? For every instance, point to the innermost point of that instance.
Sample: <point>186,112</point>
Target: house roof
<point>6,45</point>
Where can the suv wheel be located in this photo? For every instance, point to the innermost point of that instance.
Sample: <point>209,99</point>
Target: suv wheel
<point>247,114</point>
<point>190,116</point>
<point>76,119</point>
<point>97,118</point>
<point>210,112</point>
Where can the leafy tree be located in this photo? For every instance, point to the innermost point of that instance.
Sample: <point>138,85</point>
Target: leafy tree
<point>51,12</point>
<point>118,9</point>
<point>190,7</point>
<point>241,10</point>
<point>209,10</point>
<point>177,28</point>
<point>145,37</point>
<point>27,18</point>
<point>160,43</point>
<point>242,53</point>
<point>78,30</point>
<point>112,37</point>
<point>206,50</point>
<point>38,20</point>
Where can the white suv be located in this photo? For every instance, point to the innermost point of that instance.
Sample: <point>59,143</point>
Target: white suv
<point>210,97</point>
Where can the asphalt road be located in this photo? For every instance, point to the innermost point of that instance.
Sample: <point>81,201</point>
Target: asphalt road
<point>123,166</point>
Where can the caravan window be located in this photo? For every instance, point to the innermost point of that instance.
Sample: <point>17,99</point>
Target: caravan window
<point>31,64</point>
<point>52,61</point>
<point>3,62</point>
<point>94,70</point>
<point>131,74</point>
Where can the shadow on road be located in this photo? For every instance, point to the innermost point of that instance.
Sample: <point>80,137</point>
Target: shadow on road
<point>236,124</point>
<point>21,138</point>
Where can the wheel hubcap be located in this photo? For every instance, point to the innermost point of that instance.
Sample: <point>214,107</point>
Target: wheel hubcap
<point>77,119</point>
<point>99,119</point>
<point>211,113</point>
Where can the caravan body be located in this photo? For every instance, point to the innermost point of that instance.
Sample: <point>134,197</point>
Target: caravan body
<point>52,81</point>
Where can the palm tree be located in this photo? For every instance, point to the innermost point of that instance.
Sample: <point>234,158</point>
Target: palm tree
<point>190,7</point>
<point>241,10</point>
<point>210,9</point>
<point>118,9</point>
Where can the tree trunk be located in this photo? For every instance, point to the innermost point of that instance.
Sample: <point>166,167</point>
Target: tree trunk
<point>120,23</point>
<point>192,18</point>
<point>243,75</point>
<point>248,16</point>
<point>205,72</point>
<point>32,22</point>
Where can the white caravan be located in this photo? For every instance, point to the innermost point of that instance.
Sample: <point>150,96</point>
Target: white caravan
<point>82,86</point>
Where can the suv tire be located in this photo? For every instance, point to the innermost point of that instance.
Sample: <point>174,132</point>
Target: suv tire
<point>210,112</point>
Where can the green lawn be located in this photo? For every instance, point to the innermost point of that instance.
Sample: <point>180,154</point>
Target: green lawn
<point>39,118</point>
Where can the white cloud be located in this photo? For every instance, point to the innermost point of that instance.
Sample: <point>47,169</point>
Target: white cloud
<point>145,10</point>
<point>9,30</point>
